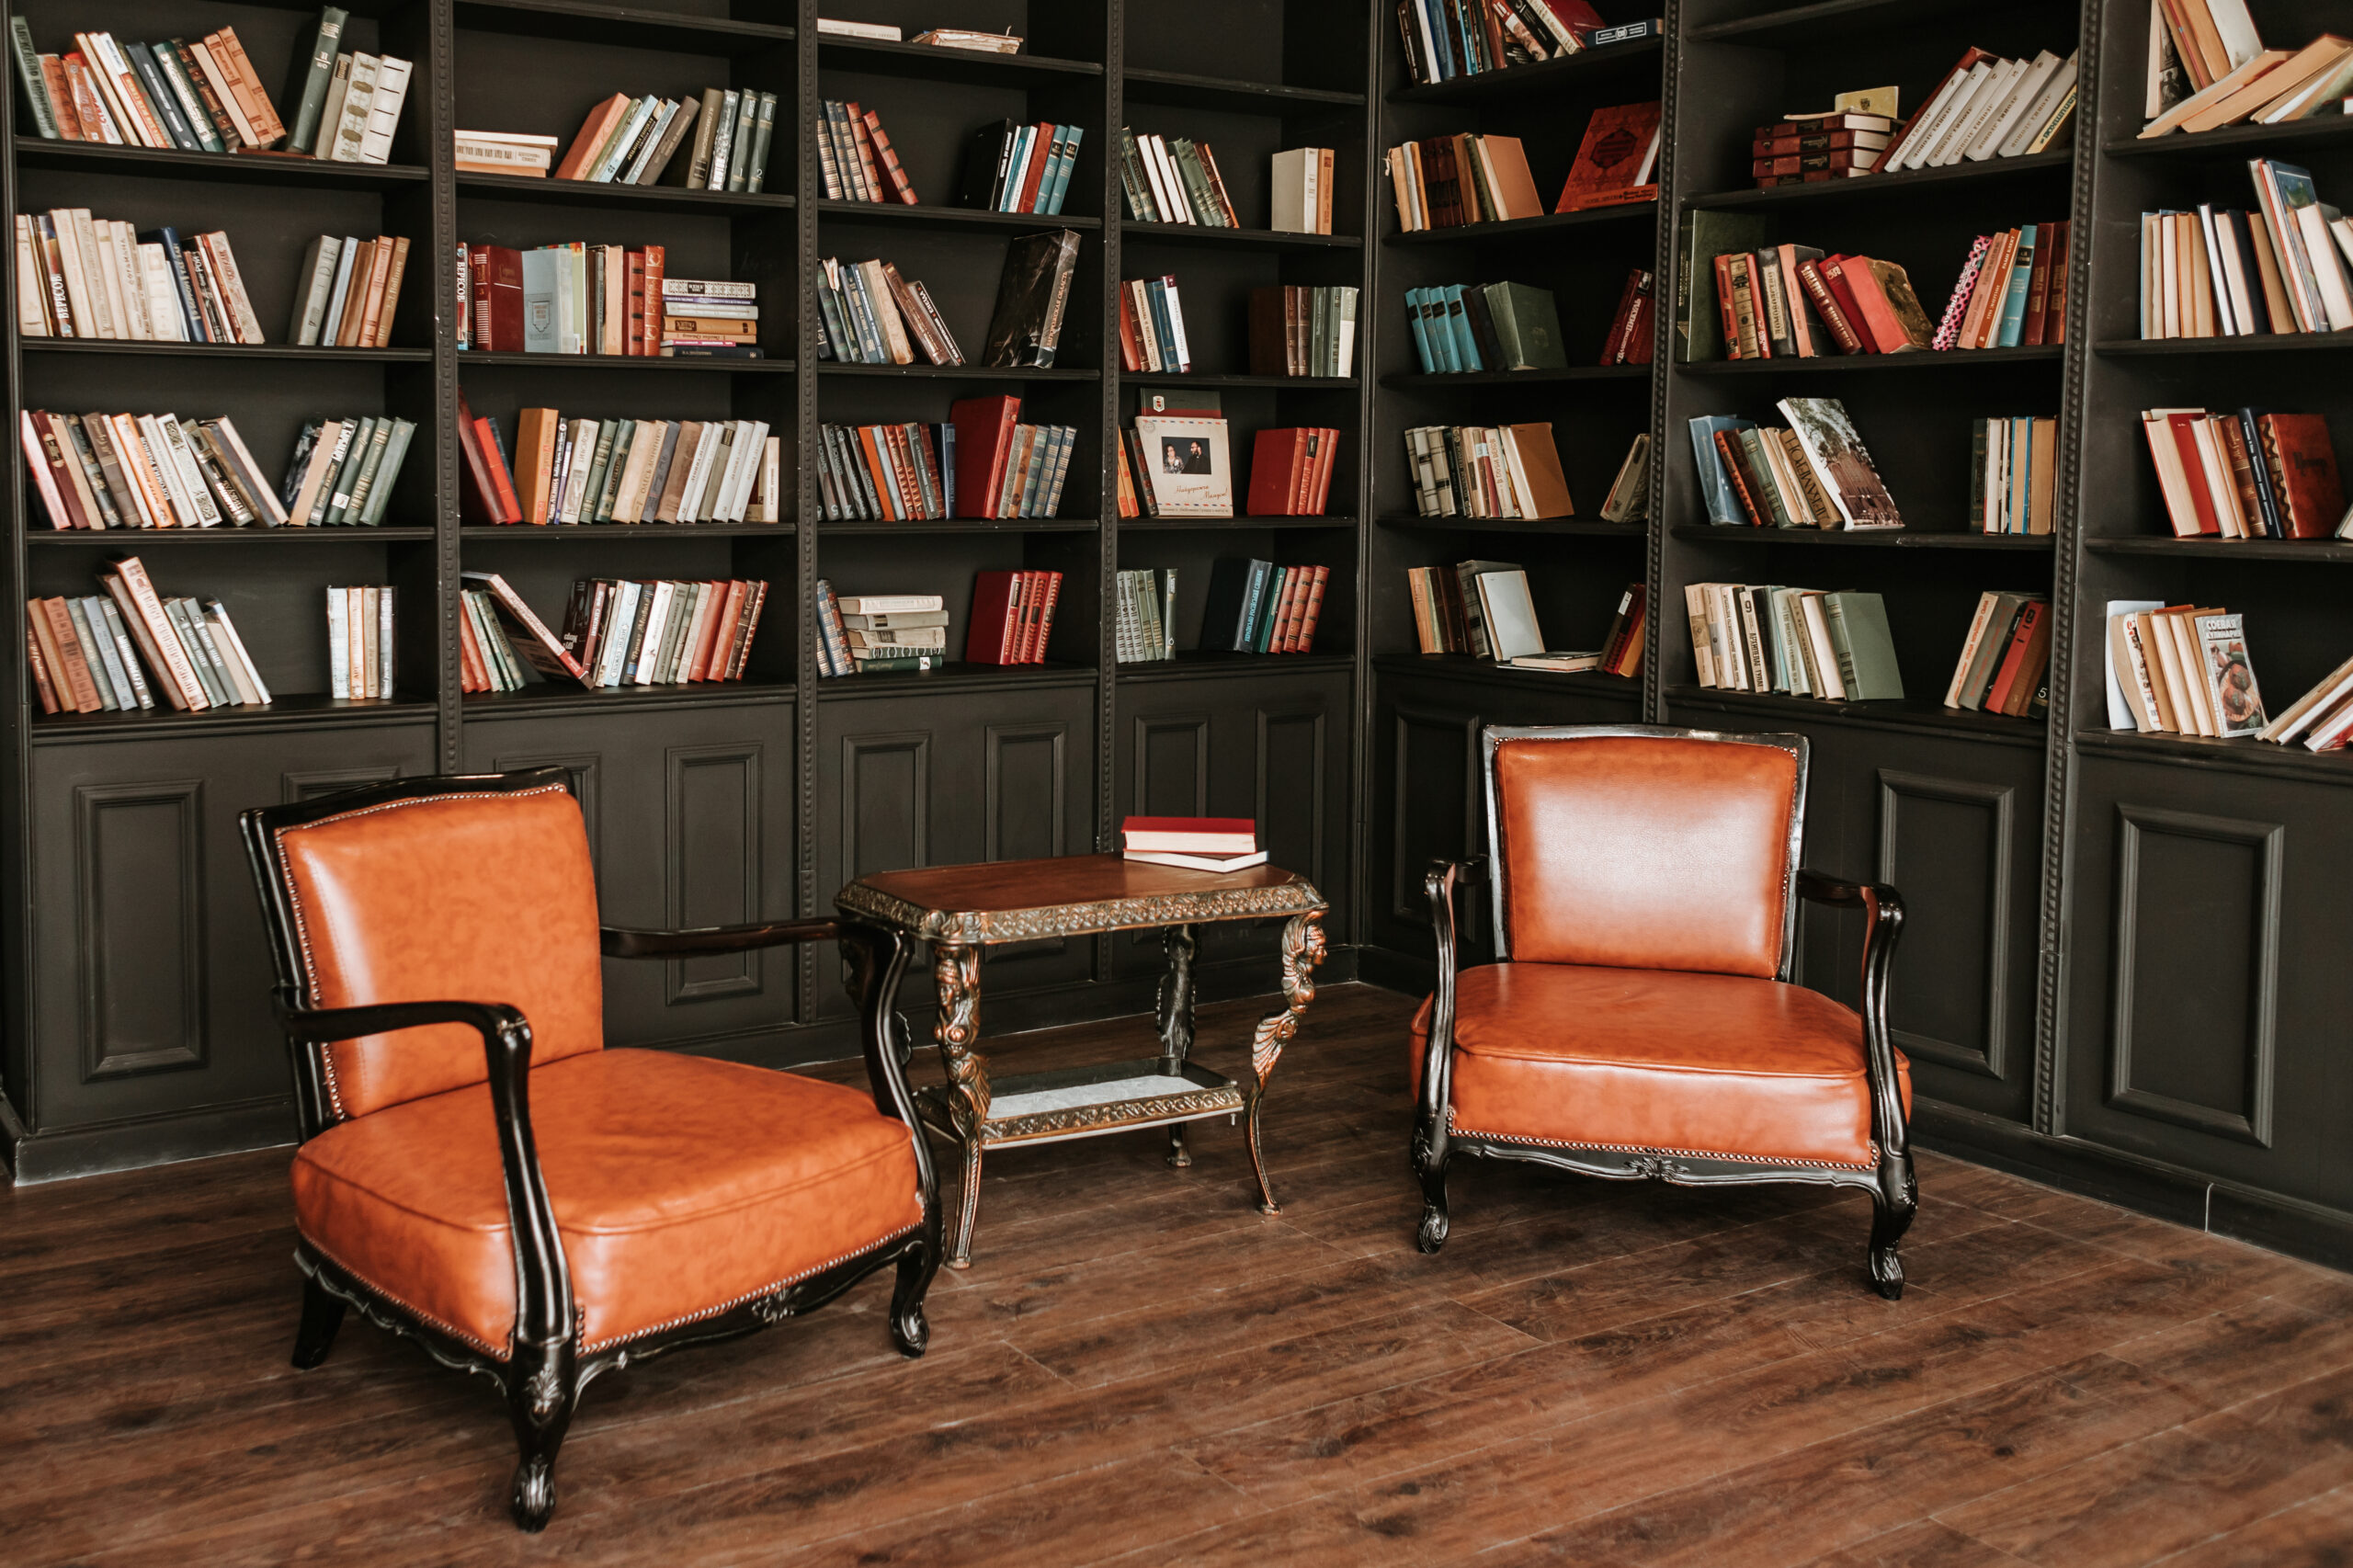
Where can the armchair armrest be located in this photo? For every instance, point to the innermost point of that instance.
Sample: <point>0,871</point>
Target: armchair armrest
<point>543,1302</point>
<point>1440,882</point>
<point>1883,915</point>
<point>620,942</point>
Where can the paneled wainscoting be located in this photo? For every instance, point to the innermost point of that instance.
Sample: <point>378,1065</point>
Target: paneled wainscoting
<point>1140,1369</point>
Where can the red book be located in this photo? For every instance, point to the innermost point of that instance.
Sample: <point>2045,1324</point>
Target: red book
<point>1050,591</point>
<point>478,497</point>
<point>1324,477</point>
<point>1723,307</point>
<point>1304,637</point>
<point>988,636</point>
<point>2054,318</point>
<point>1190,835</point>
<point>45,462</point>
<point>984,437</point>
<point>1274,459</point>
<point>633,308</point>
<point>2184,439</point>
<point>654,265</point>
<point>592,133</point>
<point>1833,271</point>
<point>1616,161</point>
<point>2302,465</point>
<point>1642,333</point>
<point>1613,346</point>
<point>2014,662</point>
<point>890,157</point>
<point>1038,159</point>
<point>497,274</point>
<point>1825,305</point>
<point>510,505</point>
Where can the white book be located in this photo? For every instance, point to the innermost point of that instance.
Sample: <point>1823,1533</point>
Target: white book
<point>382,685</point>
<point>350,130</point>
<point>1924,122</point>
<point>32,284</point>
<point>1920,148</point>
<point>1983,104</point>
<point>159,460</point>
<point>649,142</point>
<point>2026,91</point>
<point>331,112</point>
<point>703,489</point>
<point>345,262</point>
<point>618,615</point>
<point>2029,124</point>
<point>1176,325</point>
<point>706,447</point>
<point>109,276</point>
<point>320,268</point>
<point>1510,613</point>
<point>242,673</point>
<point>2241,42</point>
<point>385,109</point>
<point>338,643</point>
<point>657,622</point>
<point>181,457</point>
<point>750,447</point>
<point>1196,862</point>
<point>1291,205</point>
<point>2328,272</point>
<point>73,232</point>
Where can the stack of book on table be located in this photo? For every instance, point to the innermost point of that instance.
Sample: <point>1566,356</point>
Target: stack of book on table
<point>2005,664</point>
<point>2246,475</point>
<point>2181,669</point>
<point>1198,844</point>
<point>1803,641</point>
<point>85,653</point>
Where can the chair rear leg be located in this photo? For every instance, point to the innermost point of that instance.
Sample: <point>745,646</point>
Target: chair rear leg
<point>322,1315</point>
<point>909,1329</point>
<point>540,1405</point>
<point>1894,1201</point>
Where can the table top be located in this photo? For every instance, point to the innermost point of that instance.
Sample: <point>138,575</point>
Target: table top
<point>1024,900</point>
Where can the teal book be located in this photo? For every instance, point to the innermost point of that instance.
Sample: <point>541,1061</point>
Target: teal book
<point>1866,651</point>
<point>2013,302</point>
<point>1715,485</point>
<point>1458,326</point>
<point>306,91</point>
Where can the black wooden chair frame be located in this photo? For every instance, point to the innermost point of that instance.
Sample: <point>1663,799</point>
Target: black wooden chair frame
<point>545,1372</point>
<point>1891,1183</point>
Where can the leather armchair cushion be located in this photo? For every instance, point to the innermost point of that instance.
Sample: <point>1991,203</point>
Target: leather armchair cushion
<point>472,897</point>
<point>1708,1064</point>
<point>1645,851</point>
<point>681,1186</point>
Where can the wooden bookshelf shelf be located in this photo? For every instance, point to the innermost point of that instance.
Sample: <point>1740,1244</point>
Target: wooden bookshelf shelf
<point>1181,90</point>
<point>300,710</point>
<point>1576,73</point>
<point>1566,528</point>
<point>614,533</point>
<point>1192,666</point>
<point>140,539</point>
<point>1482,379</point>
<point>224,351</point>
<point>2238,142</point>
<point>1486,671</point>
<point>2284,343</point>
<point>1842,364</point>
<point>960,526</point>
<point>1201,524</point>
<point>2204,753</point>
<point>1276,384</point>
<point>1546,227</point>
<point>1796,26</point>
<point>2331,551</point>
<point>1907,713</point>
<point>961,372</point>
<point>624,27</point>
<point>595,193</point>
<point>923,62</point>
<point>1872,538</point>
<point>473,359</point>
<point>550,696</point>
<point>898,214</point>
<point>147,163</point>
<point>955,677</point>
<point>1938,183</point>
<point>1203,234</point>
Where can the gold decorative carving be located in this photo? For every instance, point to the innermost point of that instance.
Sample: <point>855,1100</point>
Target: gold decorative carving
<point>982,927</point>
<point>958,972</point>
<point>1303,948</point>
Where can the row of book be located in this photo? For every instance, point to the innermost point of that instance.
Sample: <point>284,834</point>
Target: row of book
<point>1445,182</point>
<point>1144,615</point>
<point>1796,301</point>
<point>1151,327</point>
<point>1173,180</point>
<point>2208,69</point>
<point>636,140</point>
<point>2230,273</point>
<point>1804,642</point>
<point>2181,669</point>
<point>877,622</point>
<point>347,291</point>
<point>621,631</point>
<point>1633,325</point>
<point>1813,473</point>
<point>2013,473</point>
<point>1483,609</point>
<point>82,276</point>
<point>1482,471</point>
<point>576,298</point>
<point>1012,167</point>
<point>1464,328</point>
<point>2012,292</point>
<point>1290,469</point>
<point>1988,107</point>
<point>156,471</point>
<point>2250,474</point>
<point>86,653</point>
<point>1304,330</point>
<point>1446,39</point>
<point>2005,664</point>
<point>359,643</point>
<point>2322,718</point>
<point>869,315</point>
<point>618,471</point>
<point>895,474</point>
<point>854,159</point>
<point>1256,606</point>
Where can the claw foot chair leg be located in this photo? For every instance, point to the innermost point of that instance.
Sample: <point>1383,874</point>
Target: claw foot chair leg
<point>322,1315</point>
<point>542,1407</point>
<point>909,1330</point>
<point>1894,1204</point>
<point>1430,1167</point>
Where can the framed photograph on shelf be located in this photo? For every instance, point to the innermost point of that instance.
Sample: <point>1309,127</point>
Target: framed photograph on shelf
<point>1189,465</point>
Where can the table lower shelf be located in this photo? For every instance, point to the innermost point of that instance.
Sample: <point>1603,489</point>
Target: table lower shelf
<point>1084,1102</point>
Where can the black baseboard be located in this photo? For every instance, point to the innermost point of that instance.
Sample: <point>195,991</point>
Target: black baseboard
<point>1396,971</point>
<point>60,1155</point>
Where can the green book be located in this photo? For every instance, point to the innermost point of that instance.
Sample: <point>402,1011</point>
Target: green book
<point>1762,486</point>
<point>29,72</point>
<point>739,151</point>
<point>192,110</point>
<point>1703,235</point>
<point>1866,651</point>
<point>624,431</point>
<point>363,487</point>
<point>306,89</point>
<point>1528,328</point>
<point>338,493</point>
<point>380,493</point>
<point>763,132</point>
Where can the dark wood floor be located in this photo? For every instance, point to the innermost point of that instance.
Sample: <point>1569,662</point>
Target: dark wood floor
<point>1140,1369</point>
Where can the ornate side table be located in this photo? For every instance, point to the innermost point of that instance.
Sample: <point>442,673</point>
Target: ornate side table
<point>959,910</point>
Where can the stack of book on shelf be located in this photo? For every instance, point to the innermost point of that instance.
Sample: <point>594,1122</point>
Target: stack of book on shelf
<point>1302,330</point>
<point>1616,162</point>
<point>1796,302</point>
<point>886,472</point>
<point>359,643</point>
<point>1291,472</point>
<point>1173,180</point>
<point>1814,473</point>
<point>2012,292</point>
<point>1444,182</point>
<point>618,471</point>
<point>1300,191</point>
<point>86,652</point>
<point>893,632</point>
<point>995,466</point>
<point>2014,474</point>
<point>524,153</point>
<point>1988,107</point>
<point>1011,167</point>
<point>1184,461</point>
<point>347,290</point>
<point>1026,327</point>
<point>1195,844</point>
<point>196,96</point>
<point>622,632</point>
<point>84,277</point>
<point>854,159</point>
<point>1256,606</point>
<point>2246,475</point>
<point>1143,624</point>
<point>2228,273</point>
<point>1446,39</point>
<point>342,471</point>
<point>1483,609</point>
<point>869,315</point>
<point>1460,328</point>
<point>1633,325</point>
<point>1151,327</point>
<point>1802,149</point>
<point>1508,471</point>
<point>1629,500</point>
<point>965,38</point>
<point>873,32</point>
<point>2208,68</point>
<point>598,298</point>
<point>1803,641</point>
<point>2005,664</point>
<point>2322,718</point>
<point>2179,669</point>
<point>1013,617</point>
<point>628,141</point>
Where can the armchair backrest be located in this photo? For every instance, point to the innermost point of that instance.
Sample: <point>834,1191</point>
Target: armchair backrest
<point>1638,846</point>
<point>445,889</point>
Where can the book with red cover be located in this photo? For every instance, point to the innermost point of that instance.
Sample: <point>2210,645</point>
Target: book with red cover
<point>2014,668</point>
<point>497,275</point>
<point>542,648</point>
<point>1190,835</point>
<point>1618,142</point>
<point>2184,425</point>
<point>1049,590</point>
<point>478,494</point>
<point>1027,199</point>
<point>1276,457</point>
<point>1825,304</point>
<point>593,131</point>
<point>988,636</point>
<point>984,437</point>
<point>2302,465</point>
<point>1834,270</point>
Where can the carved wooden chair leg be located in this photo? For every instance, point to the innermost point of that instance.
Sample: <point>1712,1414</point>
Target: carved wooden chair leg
<point>322,1315</point>
<point>1429,1164</point>
<point>540,1406</point>
<point>909,1329</point>
<point>1895,1202</point>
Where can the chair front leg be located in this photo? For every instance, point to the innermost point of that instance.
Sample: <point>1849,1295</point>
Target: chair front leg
<point>1432,1150</point>
<point>874,960</point>
<point>1895,1198</point>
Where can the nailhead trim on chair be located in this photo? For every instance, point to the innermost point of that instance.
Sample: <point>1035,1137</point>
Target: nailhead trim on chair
<point>589,1347</point>
<point>302,928</point>
<point>1871,1163</point>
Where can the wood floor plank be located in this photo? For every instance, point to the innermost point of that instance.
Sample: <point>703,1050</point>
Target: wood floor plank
<point>2313,1534</point>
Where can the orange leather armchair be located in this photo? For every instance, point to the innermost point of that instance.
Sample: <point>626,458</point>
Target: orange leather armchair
<point>1641,1023</point>
<point>477,1172</point>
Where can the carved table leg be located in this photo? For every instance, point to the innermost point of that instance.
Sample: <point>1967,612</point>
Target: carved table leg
<point>1177,1022</point>
<point>958,972</point>
<point>1302,950</point>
